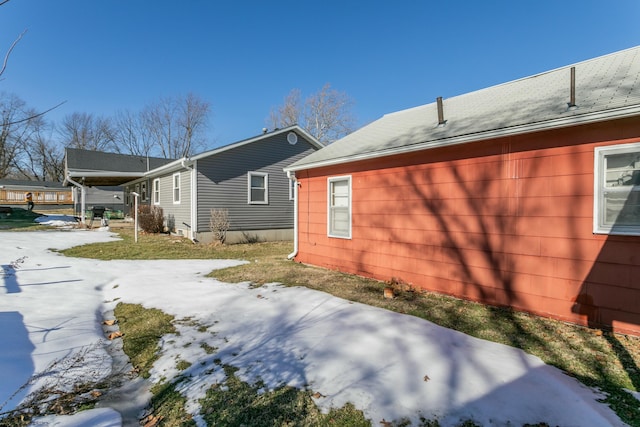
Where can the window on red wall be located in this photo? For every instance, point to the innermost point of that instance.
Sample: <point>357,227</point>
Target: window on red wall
<point>617,190</point>
<point>339,207</point>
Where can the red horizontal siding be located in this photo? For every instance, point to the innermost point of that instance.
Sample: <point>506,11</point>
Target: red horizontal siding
<point>506,222</point>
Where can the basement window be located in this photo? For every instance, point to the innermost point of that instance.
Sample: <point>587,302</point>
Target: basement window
<point>339,207</point>
<point>617,190</point>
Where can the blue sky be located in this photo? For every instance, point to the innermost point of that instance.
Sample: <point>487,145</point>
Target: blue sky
<point>243,57</point>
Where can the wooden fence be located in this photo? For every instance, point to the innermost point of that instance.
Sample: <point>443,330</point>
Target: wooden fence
<point>45,197</point>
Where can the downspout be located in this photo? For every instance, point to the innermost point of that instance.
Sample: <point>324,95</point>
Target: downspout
<point>194,203</point>
<point>82,194</point>
<point>292,177</point>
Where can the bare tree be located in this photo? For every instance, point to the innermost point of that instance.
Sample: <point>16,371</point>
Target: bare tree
<point>85,131</point>
<point>326,114</point>
<point>12,110</point>
<point>177,125</point>
<point>287,114</point>
<point>41,159</point>
<point>193,115</point>
<point>131,134</point>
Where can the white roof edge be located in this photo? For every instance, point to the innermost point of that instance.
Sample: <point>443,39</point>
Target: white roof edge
<point>92,173</point>
<point>600,116</point>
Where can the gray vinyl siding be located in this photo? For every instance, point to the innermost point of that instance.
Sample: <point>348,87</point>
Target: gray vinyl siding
<point>173,213</point>
<point>223,184</point>
<point>179,213</point>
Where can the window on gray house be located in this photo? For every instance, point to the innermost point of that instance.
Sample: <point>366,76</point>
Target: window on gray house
<point>176,188</point>
<point>258,188</point>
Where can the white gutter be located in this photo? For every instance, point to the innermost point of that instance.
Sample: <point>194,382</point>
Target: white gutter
<point>194,204</point>
<point>292,177</point>
<point>82,197</point>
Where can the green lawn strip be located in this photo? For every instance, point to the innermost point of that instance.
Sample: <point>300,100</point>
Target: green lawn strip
<point>237,403</point>
<point>162,246</point>
<point>142,329</point>
<point>606,361</point>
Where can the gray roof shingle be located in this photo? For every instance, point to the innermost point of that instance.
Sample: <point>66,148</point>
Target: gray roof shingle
<point>78,159</point>
<point>605,87</point>
<point>100,168</point>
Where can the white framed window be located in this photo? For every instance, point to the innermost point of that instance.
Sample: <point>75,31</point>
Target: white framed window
<point>156,191</point>
<point>339,207</point>
<point>143,191</point>
<point>176,188</point>
<point>617,190</point>
<point>258,188</point>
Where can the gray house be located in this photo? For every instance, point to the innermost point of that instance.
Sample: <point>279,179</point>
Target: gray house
<point>244,179</point>
<point>96,176</point>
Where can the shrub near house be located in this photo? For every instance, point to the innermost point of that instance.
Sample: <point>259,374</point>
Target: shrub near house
<point>150,219</point>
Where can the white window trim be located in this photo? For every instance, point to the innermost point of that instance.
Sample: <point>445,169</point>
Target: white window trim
<point>173,188</point>
<point>598,189</point>
<point>329,181</point>
<point>266,188</point>
<point>156,191</point>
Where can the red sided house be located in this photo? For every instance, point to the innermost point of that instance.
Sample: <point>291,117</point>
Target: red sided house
<point>525,194</point>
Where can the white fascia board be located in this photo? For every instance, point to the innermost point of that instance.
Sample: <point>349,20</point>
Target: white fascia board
<point>94,173</point>
<point>481,136</point>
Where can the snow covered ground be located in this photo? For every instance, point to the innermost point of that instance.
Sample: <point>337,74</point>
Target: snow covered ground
<point>389,365</point>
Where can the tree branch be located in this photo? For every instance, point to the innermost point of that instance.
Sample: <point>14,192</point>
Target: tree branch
<point>13,45</point>
<point>32,117</point>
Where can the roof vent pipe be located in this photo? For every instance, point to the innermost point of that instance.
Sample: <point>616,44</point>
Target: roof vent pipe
<point>441,120</point>
<point>572,96</point>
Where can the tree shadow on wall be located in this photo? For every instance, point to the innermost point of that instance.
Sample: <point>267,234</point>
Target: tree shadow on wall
<point>466,221</point>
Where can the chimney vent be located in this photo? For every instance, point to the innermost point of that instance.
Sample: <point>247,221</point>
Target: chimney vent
<point>572,95</point>
<point>441,120</point>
